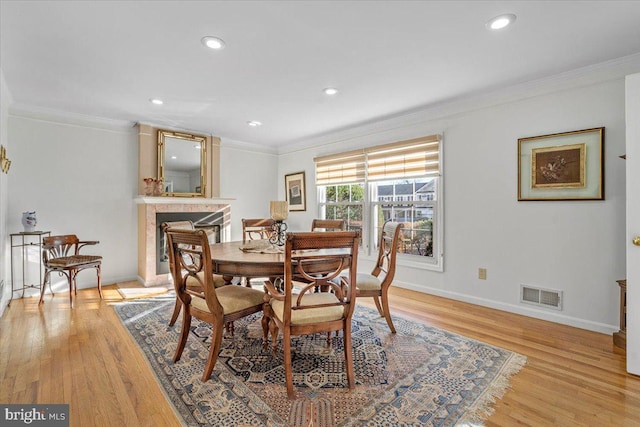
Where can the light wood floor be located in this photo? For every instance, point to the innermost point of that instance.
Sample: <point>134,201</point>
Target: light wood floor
<point>85,357</point>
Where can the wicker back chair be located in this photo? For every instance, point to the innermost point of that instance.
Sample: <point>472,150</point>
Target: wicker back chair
<point>62,254</point>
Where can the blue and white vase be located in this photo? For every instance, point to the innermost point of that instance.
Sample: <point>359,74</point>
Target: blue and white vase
<point>29,221</point>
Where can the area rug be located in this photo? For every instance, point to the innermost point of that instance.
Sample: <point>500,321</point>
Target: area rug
<point>131,293</point>
<point>421,376</point>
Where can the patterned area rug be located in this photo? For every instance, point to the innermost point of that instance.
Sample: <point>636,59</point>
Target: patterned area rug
<point>421,376</point>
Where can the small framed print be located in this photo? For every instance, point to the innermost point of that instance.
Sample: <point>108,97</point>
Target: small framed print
<point>562,166</point>
<point>296,193</point>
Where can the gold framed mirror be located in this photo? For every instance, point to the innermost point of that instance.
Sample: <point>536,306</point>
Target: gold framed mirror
<point>182,163</point>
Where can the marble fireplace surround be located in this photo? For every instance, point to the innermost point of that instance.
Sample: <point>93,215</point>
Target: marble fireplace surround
<point>147,209</point>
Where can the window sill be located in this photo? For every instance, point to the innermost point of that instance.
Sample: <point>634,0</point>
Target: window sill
<point>403,261</point>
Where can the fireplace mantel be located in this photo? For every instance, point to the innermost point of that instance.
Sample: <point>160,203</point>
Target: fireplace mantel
<point>148,207</point>
<point>145,200</point>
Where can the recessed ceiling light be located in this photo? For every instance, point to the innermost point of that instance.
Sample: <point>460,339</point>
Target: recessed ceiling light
<point>213,42</point>
<point>254,123</point>
<point>173,157</point>
<point>500,22</point>
<point>156,101</point>
<point>330,91</point>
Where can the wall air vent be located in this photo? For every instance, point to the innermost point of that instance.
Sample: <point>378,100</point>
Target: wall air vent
<point>547,298</point>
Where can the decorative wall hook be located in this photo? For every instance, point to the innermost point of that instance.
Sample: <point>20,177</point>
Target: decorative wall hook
<point>5,163</point>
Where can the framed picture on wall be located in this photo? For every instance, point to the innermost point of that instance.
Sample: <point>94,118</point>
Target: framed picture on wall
<point>562,166</point>
<point>295,191</point>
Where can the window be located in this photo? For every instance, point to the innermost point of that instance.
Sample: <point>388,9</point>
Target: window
<point>399,181</point>
<point>345,201</point>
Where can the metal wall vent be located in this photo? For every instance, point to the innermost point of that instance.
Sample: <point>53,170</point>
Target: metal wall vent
<point>548,298</point>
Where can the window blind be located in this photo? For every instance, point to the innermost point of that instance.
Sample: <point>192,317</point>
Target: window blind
<point>406,159</point>
<point>343,168</point>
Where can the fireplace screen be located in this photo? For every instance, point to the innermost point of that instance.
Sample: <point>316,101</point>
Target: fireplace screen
<point>211,222</point>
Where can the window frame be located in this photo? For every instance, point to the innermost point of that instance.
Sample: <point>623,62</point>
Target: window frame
<point>369,208</point>
<point>323,204</point>
<point>433,262</point>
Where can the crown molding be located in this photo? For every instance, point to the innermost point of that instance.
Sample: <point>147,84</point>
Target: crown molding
<point>247,146</point>
<point>581,77</point>
<point>174,128</point>
<point>83,120</point>
<point>65,117</point>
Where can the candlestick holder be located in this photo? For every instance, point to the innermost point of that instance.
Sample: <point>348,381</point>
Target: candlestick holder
<point>278,233</point>
<point>279,212</point>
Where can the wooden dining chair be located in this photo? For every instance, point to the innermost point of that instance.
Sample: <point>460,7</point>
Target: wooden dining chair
<point>190,256</point>
<point>295,309</point>
<point>377,283</point>
<point>256,229</point>
<point>191,283</point>
<point>62,254</point>
<point>328,225</point>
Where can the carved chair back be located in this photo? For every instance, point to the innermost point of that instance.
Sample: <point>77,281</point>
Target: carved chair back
<point>328,225</point>
<point>387,252</point>
<point>258,228</point>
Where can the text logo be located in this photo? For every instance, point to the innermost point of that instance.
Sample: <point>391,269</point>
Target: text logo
<point>37,415</point>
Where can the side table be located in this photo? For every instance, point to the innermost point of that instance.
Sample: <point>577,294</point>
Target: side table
<point>24,240</point>
<point>620,337</point>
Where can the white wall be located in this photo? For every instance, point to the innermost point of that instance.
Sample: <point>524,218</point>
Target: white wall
<point>294,163</point>
<point>5,286</point>
<point>251,179</point>
<point>576,247</point>
<point>80,179</point>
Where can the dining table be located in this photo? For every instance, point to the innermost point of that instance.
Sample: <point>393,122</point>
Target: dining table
<point>230,260</point>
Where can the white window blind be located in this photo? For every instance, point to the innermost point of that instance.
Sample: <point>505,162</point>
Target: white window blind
<point>340,168</point>
<point>406,159</point>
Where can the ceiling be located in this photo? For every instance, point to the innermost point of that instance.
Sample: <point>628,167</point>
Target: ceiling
<point>107,59</point>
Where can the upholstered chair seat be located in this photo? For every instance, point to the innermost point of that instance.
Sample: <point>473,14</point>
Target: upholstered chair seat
<point>232,299</point>
<point>194,283</point>
<point>368,282</point>
<point>311,315</point>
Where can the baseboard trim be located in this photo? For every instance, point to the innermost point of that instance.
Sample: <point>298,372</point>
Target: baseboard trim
<point>511,308</point>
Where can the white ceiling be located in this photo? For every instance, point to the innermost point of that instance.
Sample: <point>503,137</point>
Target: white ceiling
<point>387,58</point>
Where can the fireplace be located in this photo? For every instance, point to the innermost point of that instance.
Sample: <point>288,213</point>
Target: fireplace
<point>214,215</point>
<point>211,222</point>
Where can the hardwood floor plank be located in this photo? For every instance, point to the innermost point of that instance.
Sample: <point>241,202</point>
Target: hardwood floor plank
<point>85,357</point>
